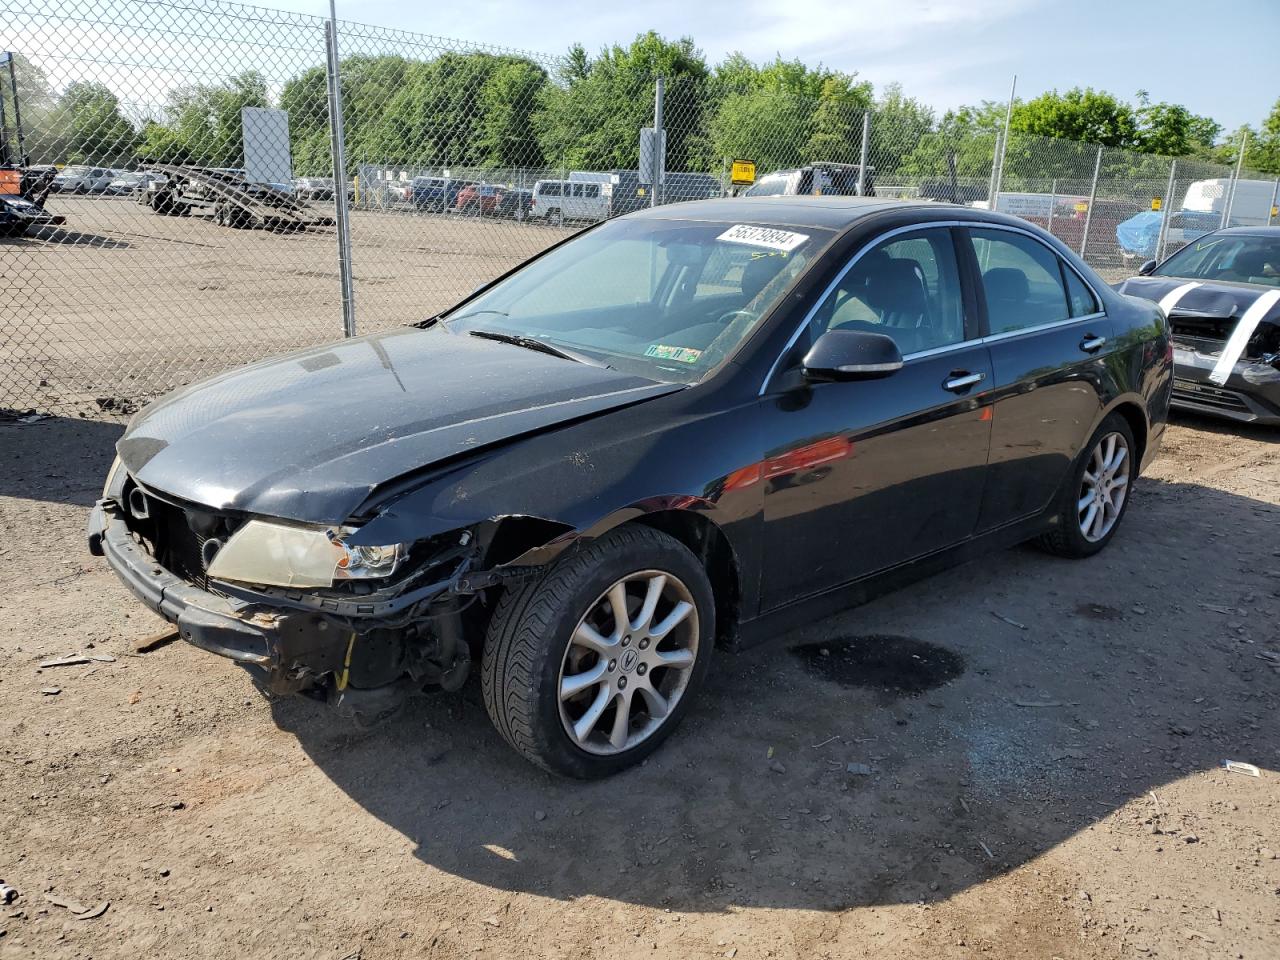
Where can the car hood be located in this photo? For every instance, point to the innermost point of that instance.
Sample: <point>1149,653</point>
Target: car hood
<point>1212,299</point>
<point>309,436</point>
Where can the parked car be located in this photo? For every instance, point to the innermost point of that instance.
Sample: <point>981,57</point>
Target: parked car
<point>400,191</point>
<point>125,183</point>
<point>562,200</point>
<point>478,199</point>
<point>816,179</point>
<point>313,188</point>
<point>684,427</point>
<point>438,194</point>
<point>515,204</point>
<point>1222,295</point>
<point>82,179</point>
<point>629,194</point>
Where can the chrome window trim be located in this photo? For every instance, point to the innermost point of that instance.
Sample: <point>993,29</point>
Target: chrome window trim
<point>946,348</point>
<point>1039,327</point>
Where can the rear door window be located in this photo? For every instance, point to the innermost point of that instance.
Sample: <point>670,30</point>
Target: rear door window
<point>1021,280</point>
<point>1083,302</point>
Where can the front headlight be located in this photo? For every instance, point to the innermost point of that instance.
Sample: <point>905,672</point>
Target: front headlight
<point>285,556</point>
<point>116,467</point>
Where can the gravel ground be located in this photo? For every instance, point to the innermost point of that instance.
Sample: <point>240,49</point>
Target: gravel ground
<point>1040,746</point>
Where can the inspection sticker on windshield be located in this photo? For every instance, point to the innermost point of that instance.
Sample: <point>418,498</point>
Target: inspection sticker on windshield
<point>771,239</point>
<point>682,354</point>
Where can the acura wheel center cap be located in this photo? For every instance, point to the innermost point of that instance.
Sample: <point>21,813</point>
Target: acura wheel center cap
<point>628,661</point>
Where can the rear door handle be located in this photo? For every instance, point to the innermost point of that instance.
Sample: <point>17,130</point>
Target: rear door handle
<point>960,381</point>
<point>1092,344</point>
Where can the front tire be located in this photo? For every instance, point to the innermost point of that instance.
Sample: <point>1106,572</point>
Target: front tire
<point>587,669</point>
<point>1097,495</point>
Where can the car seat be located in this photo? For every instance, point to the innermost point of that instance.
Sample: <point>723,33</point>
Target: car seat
<point>1007,292</point>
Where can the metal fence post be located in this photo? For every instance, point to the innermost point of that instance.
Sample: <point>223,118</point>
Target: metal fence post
<point>1093,195</point>
<point>1162,237</point>
<point>866,146</point>
<point>1235,178</point>
<point>339,175</point>
<point>1053,202</point>
<point>659,145</point>
<point>1275,195</point>
<point>991,187</point>
<point>1004,141</point>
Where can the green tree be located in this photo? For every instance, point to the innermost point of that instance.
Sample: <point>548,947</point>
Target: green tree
<point>454,111</point>
<point>591,117</point>
<point>203,124</point>
<point>1171,130</point>
<point>36,102</point>
<point>784,114</point>
<point>898,124</point>
<point>1085,115</point>
<point>91,127</point>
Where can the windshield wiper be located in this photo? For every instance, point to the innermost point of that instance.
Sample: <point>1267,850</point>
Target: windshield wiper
<point>532,343</point>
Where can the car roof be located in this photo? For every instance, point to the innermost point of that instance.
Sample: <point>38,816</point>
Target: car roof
<point>831,212</point>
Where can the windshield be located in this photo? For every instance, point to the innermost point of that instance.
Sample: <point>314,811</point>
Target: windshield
<point>1234,258</point>
<point>774,185</point>
<point>664,299</point>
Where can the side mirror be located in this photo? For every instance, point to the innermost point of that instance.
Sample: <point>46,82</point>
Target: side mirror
<point>1146,268</point>
<point>852,355</point>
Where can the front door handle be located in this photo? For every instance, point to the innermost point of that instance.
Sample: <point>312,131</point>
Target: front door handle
<point>959,381</point>
<point>1092,344</point>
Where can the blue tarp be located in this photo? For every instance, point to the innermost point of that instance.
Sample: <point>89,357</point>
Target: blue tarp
<point>1141,233</point>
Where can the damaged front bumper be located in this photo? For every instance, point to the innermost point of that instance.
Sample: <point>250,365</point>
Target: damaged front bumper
<point>1251,392</point>
<point>294,642</point>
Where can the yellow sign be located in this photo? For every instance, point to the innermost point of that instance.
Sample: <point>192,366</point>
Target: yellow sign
<point>1275,211</point>
<point>639,191</point>
<point>1156,203</point>
<point>743,173</point>
<point>1082,207</point>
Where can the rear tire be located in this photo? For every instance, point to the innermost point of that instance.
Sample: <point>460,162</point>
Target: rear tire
<point>559,666</point>
<point>1096,496</point>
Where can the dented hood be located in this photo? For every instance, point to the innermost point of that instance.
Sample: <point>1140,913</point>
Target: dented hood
<point>308,436</point>
<point>1213,298</point>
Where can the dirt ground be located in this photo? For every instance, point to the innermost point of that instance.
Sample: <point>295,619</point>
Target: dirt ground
<point>1042,739</point>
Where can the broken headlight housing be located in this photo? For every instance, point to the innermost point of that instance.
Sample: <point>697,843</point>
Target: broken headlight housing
<point>281,555</point>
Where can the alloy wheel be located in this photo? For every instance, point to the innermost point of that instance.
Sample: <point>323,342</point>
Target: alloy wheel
<point>628,662</point>
<point>1104,487</point>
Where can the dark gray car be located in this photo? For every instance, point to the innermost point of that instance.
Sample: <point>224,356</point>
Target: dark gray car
<point>1222,295</point>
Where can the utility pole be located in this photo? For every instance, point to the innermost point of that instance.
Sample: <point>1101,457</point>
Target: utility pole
<point>1004,141</point>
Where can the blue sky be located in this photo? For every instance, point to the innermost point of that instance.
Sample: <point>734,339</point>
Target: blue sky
<point>1216,58</point>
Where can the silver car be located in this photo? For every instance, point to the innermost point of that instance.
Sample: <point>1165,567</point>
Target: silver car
<point>83,179</point>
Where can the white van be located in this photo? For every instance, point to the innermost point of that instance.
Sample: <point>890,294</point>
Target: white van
<point>572,199</point>
<point>1250,207</point>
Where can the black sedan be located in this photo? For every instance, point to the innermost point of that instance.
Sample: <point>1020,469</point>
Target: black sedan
<point>1222,295</point>
<point>687,427</point>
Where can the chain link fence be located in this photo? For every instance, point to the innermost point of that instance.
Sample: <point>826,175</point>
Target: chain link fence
<point>235,181</point>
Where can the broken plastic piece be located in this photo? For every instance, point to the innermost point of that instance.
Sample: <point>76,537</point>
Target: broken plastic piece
<point>1238,766</point>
